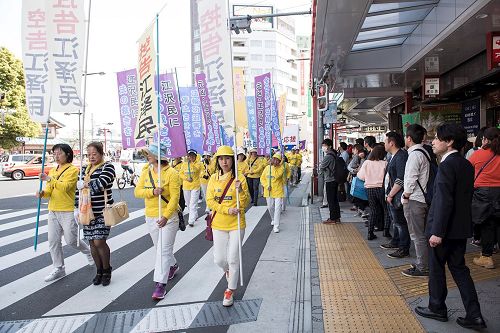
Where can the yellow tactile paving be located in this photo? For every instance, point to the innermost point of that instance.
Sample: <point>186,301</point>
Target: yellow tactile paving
<point>412,287</point>
<point>357,293</point>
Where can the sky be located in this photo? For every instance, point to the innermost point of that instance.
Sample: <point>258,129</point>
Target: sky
<point>115,27</point>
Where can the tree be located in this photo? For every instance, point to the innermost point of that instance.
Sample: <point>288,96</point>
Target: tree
<point>12,85</point>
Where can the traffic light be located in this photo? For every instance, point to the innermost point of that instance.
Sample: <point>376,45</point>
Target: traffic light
<point>322,97</point>
<point>238,24</point>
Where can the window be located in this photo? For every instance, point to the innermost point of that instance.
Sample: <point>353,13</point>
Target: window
<point>270,58</point>
<point>238,43</point>
<point>197,47</point>
<point>294,91</point>
<point>17,158</point>
<point>256,43</point>
<point>294,104</point>
<point>256,57</point>
<point>294,52</point>
<point>197,59</point>
<point>294,78</point>
<point>256,72</point>
<point>270,44</point>
<point>196,33</point>
<point>239,58</point>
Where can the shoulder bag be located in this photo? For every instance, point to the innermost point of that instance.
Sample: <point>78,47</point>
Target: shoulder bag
<point>182,223</point>
<point>209,236</point>
<point>114,214</point>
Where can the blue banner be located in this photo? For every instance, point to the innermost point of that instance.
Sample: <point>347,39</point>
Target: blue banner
<point>275,123</point>
<point>226,139</point>
<point>252,119</point>
<point>192,118</point>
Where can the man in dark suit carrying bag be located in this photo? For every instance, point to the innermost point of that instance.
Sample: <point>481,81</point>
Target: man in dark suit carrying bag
<point>449,224</point>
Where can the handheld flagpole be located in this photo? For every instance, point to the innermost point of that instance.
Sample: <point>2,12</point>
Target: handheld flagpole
<point>82,115</point>
<point>234,148</point>
<point>160,245</point>
<point>35,245</point>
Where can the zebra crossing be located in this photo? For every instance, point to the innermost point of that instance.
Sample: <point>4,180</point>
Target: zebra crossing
<point>25,295</point>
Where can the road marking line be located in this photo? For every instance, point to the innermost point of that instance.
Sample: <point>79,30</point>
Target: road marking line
<point>17,213</point>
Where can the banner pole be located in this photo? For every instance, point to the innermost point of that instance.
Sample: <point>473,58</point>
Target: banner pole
<point>35,245</point>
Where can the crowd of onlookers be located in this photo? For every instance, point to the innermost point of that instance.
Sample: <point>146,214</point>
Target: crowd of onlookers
<point>436,192</point>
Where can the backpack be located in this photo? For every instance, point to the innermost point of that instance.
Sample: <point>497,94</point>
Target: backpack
<point>433,168</point>
<point>339,171</point>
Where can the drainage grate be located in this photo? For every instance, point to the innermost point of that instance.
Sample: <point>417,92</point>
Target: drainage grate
<point>158,319</point>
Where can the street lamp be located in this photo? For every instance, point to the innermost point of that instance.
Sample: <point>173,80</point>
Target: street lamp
<point>290,61</point>
<point>93,73</point>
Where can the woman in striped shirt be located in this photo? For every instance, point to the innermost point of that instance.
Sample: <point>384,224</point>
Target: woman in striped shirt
<point>98,177</point>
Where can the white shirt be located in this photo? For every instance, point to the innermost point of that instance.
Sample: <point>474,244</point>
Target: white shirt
<point>448,154</point>
<point>416,169</point>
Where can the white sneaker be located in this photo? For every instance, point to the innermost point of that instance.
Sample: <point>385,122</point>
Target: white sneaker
<point>228,298</point>
<point>90,259</point>
<point>56,273</point>
<point>276,229</point>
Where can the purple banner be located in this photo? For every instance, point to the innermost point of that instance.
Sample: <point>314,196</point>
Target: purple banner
<point>252,120</point>
<point>127,96</point>
<point>172,128</point>
<point>212,138</point>
<point>263,112</point>
<point>302,145</point>
<point>275,124</point>
<point>191,116</point>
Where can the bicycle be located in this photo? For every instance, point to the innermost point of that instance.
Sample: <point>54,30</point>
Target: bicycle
<point>127,178</point>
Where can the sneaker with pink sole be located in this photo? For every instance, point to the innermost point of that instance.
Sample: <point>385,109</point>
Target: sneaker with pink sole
<point>159,292</point>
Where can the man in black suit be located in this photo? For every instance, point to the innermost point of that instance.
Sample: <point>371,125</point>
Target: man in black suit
<point>449,224</point>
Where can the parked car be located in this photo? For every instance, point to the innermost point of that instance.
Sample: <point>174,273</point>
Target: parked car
<point>32,168</point>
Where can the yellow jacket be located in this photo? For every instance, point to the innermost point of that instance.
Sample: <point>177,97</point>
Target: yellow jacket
<point>171,185</point>
<point>299,159</point>
<point>243,168</point>
<point>288,170</point>
<point>274,177</point>
<point>177,167</point>
<point>222,220</point>
<point>61,188</point>
<point>293,159</point>
<point>207,171</point>
<point>255,167</point>
<point>190,170</point>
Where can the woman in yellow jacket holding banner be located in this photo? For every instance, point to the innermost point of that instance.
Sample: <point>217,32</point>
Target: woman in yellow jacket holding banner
<point>191,186</point>
<point>165,227</point>
<point>273,179</point>
<point>225,217</point>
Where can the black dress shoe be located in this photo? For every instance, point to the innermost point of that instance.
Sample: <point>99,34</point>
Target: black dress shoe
<point>475,324</point>
<point>428,313</point>
<point>371,236</point>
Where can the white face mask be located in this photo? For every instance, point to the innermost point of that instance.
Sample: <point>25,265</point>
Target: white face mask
<point>325,149</point>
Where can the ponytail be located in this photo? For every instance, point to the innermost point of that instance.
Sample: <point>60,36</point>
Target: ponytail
<point>492,135</point>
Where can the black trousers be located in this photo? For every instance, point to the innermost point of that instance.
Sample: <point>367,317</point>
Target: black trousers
<point>490,227</point>
<point>333,200</point>
<point>378,208</point>
<point>253,188</point>
<point>451,252</point>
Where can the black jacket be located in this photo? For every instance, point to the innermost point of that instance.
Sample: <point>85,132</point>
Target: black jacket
<point>450,214</point>
<point>396,169</point>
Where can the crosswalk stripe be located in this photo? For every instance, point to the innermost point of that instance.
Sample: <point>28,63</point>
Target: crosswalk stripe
<point>183,291</point>
<point>17,213</point>
<point>33,282</point>
<point>19,257</point>
<point>16,237</point>
<point>29,220</point>
<point>94,299</point>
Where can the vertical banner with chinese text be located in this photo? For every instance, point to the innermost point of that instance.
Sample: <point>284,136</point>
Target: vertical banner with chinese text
<point>147,121</point>
<point>240,105</point>
<point>192,118</point>
<point>36,59</point>
<point>216,54</point>
<point>282,111</point>
<point>275,123</point>
<point>471,116</point>
<point>127,97</point>
<point>66,44</point>
<point>212,138</point>
<point>172,128</point>
<point>252,120</point>
<point>263,112</point>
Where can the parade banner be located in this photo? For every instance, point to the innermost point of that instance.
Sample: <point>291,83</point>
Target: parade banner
<point>192,118</point>
<point>226,139</point>
<point>36,59</point>
<point>216,56</point>
<point>66,48</point>
<point>275,124</point>
<point>240,104</point>
<point>127,96</point>
<point>147,121</point>
<point>172,128</point>
<point>212,138</point>
<point>291,135</point>
<point>263,112</point>
<point>252,120</point>
<point>282,111</point>
<point>302,145</point>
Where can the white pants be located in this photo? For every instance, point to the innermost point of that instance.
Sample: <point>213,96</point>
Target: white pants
<point>226,254</point>
<point>59,224</point>
<point>204,192</point>
<point>295,174</point>
<point>325,201</point>
<point>191,198</point>
<point>274,207</point>
<point>283,204</point>
<point>165,253</point>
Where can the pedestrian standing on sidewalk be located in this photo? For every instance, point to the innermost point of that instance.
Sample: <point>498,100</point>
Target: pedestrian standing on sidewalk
<point>327,168</point>
<point>417,172</point>
<point>448,226</point>
<point>394,190</point>
<point>166,227</point>
<point>225,217</point>
<point>255,164</point>
<point>372,173</point>
<point>60,190</point>
<point>486,199</point>
<point>208,169</point>
<point>98,178</point>
<point>299,165</point>
<point>358,158</point>
<point>190,176</point>
<point>272,180</point>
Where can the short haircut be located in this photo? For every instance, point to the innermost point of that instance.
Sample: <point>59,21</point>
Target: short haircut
<point>327,142</point>
<point>416,132</point>
<point>343,145</point>
<point>358,147</point>
<point>396,138</point>
<point>360,141</point>
<point>378,153</point>
<point>98,146</point>
<point>370,141</point>
<point>450,131</point>
<point>66,149</point>
<point>479,137</point>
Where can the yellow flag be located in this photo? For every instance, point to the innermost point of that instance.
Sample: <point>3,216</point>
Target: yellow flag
<point>240,106</point>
